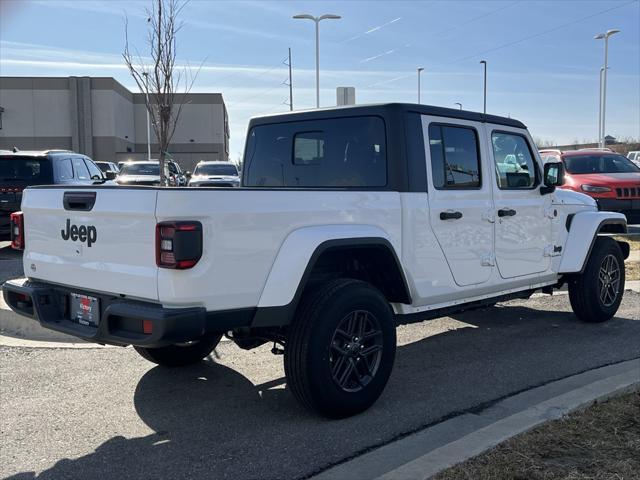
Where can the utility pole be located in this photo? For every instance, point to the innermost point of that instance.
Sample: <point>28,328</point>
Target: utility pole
<point>420,69</point>
<point>290,83</point>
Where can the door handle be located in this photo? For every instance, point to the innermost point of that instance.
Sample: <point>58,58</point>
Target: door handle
<point>506,212</point>
<point>450,215</point>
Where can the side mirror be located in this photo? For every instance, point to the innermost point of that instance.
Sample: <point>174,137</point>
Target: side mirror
<point>109,175</point>
<point>187,174</point>
<point>553,177</point>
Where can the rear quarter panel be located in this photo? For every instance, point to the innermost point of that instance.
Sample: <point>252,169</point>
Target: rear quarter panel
<point>244,230</point>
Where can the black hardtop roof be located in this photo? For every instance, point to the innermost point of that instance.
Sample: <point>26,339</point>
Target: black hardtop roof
<point>384,109</point>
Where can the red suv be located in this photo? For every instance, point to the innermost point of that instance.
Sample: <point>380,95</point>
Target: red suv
<point>610,178</point>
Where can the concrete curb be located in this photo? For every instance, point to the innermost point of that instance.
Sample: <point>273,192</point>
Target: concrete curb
<point>425,453</point>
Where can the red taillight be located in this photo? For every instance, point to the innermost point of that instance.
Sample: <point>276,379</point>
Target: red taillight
<point>11,189</point>
<point>178,244</point>
<point>17,230</point>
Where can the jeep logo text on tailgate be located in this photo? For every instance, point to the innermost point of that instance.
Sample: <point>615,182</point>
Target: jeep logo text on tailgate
<point>84,233</point>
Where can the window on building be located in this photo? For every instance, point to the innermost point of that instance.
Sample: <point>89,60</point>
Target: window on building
<point>337,152</point>
<point>455,162</point>
<point>515,167</point>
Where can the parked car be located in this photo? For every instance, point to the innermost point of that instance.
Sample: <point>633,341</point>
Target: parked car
<point>610,178</point>
<point>148,173</point>
<point>108,167</point>
<point>22,169</point>
<point>634,157</point>
<point>355,220</point>
<point>215,174</point>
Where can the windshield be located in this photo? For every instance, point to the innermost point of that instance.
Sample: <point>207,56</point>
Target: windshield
<point>599,163</point>
<point>211,169</point>
<point>140,169</point>
<point>25,171</point>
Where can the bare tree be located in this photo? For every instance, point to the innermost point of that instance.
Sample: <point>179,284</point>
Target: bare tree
<point>542,143</point>
<point>162,82</point>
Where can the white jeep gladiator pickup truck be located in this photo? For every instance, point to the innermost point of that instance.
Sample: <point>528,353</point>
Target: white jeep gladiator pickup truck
<point>349,222</point>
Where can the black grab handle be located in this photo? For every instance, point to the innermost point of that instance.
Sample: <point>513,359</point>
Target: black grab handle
<point>81,201</point>
<point>450,215</point>
<point>506,212</point>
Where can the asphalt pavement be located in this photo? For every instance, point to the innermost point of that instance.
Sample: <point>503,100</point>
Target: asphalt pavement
<point>107,413</point>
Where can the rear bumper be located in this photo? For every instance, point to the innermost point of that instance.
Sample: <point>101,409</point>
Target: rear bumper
<point>630,207</point>
<point>120,320</point>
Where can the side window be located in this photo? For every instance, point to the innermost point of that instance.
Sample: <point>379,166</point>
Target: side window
<point>455,162</point>
<point>80,169</point>
<point>94,171</point>
<point>65,170</point>
<point>515,167</point>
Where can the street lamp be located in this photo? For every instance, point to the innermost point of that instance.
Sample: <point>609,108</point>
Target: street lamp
<point>317,20</point>
<point>459,105</point>
<point>604,36</point>
<point>419,72</point>
<point>146,93</point>
<point>600,108</point>
<point>484,62</point>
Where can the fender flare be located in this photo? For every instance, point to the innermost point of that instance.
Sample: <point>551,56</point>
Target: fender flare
<point>583,232</point>
<point>295,261</point>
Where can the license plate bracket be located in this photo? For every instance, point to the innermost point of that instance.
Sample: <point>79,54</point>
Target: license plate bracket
<point>84,309</point>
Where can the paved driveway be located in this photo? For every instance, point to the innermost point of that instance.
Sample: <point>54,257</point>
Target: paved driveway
<point>106,413</point>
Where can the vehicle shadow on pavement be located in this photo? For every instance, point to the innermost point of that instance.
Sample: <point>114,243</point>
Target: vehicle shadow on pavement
<point>210,421</point>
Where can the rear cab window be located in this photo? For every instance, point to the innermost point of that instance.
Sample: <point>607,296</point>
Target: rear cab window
<point>347,152</point>
<point>22,171</point>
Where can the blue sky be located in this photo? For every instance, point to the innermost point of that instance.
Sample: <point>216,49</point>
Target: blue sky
<point>543,61</point>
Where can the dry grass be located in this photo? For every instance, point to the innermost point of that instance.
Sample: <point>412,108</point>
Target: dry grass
<point>599,443</point>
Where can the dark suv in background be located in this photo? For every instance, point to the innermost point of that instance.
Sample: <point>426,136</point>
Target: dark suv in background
<point>19,170</point>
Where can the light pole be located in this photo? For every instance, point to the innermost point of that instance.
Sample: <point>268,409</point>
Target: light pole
<point>317,20</point>
<point>419,72</point>
<point>484,62</point>
<point>146,93</point>
<point>603,115</point>
<point>459,105</point>
<point>600,108</point>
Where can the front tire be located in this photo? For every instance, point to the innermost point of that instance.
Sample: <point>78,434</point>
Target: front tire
<point>596,293</point>
<point>180,355</point>
<point>340,348</point>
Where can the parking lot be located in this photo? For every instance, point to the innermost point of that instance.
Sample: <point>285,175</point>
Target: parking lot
<point>105,412</point>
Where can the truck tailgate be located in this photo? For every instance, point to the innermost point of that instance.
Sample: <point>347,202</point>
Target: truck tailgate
<point>109,247</point>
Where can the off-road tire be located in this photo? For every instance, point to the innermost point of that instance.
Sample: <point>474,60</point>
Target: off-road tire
<point>180,355</point>
<point>585,288</point>
<point>310,355</point>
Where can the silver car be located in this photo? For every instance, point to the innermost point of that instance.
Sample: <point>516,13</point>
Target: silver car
<point>215,174</point>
